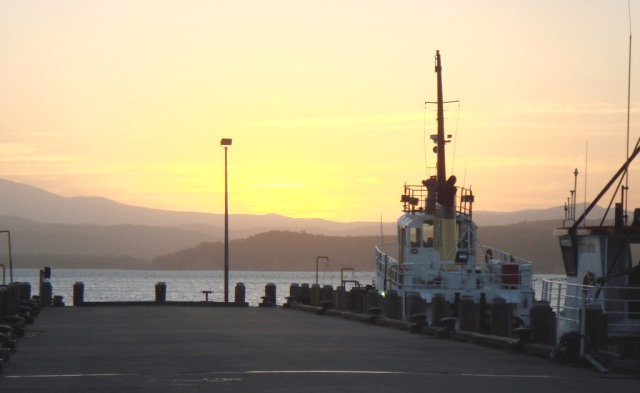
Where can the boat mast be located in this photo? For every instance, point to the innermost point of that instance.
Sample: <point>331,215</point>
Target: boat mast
<point>441,166</point>
<point>446,189</point>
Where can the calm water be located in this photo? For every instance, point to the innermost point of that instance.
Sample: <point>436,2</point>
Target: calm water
<point>139,285</point>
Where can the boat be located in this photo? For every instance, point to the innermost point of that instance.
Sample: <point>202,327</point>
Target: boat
<point>438,258</point>
<point>597,306</point>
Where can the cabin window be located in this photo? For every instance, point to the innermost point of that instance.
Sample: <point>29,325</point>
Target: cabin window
<point>568,256</point>
<point>427,234</point>
<point>415,236</point>
<point>402,236</point>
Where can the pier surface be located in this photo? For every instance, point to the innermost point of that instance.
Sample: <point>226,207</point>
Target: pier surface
<point>194,349</point>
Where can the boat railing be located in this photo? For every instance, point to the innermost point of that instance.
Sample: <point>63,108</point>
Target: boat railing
<point>496,255</point>
<point>446,275</point>
<point>415,199</point>
<point>621,304</point>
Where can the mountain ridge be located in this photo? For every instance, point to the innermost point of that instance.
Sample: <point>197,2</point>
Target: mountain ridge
<point>97,232</point>
<point>23,200</point>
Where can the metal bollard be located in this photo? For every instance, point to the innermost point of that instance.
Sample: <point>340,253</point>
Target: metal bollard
<point>240,292</point>
<point>294,292</point>
<point>438,308</point>
<point>466,314</point>
<point>46,294</point>
<point>372,300</point>
<point>543,323</point>
<point>305,294</point>
<point>355,301</point>
<point>393,305</point>
<point>595,326</point>
<point>161,292</point>
<point>315,295</point>
<point>78,294</point>
<point>326,296</point>
<point>341,298</point>
<point>415,305</point>
<point>500,317</point>
<point>269,297</point>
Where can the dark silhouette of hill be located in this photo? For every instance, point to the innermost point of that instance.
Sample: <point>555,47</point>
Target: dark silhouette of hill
<point>278,250</point>
<point>531,215</point>
<point>97,232</point>
<point>282,250</point>
<point>532,240</point>
<point>29,237</point>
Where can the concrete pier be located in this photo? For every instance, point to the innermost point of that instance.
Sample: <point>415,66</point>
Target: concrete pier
<point>193,349</point>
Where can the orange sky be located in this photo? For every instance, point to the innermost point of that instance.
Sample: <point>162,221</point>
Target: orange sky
<point>324,101</point>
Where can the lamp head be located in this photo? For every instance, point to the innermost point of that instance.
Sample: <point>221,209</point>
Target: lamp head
<point>225,142</point>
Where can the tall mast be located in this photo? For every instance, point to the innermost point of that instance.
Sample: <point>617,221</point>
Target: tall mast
<point>441,167</point>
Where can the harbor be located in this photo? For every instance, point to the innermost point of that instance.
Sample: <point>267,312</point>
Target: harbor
<point>180,348</point>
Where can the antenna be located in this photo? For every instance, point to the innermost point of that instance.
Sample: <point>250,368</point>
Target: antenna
<point>625,188</point>
<point>586,166</point>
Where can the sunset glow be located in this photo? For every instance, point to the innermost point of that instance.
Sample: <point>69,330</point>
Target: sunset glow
<point>325,101</point>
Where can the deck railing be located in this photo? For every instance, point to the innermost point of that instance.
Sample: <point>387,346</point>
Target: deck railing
<point>621,304</point>
<point>412,277</point>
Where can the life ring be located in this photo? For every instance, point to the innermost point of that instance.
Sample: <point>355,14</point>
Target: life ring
<point>589,279</point>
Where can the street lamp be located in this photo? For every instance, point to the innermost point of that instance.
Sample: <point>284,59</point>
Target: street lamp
<point>226,142</point>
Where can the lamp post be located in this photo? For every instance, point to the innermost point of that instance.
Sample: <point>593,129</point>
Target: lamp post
<point>226,142</point>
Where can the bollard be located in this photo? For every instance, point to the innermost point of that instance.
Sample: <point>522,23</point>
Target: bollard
<point>58,301</point>
<point>294,292</point>
<point>326,296</point>
<point>239,293</point>
<point>269,297</point>
<point>4,302</point>
<point>372,301</point>
<point>415,305</point>
<point>78,294</point>
<point>438,309</point>
<point>466,314</point>
<point>500,317</point>
<point>305,294</point>
<point>542,321</point>
<point>315,295</point>
<point>456,304</point>
<point>393,305</point>
<point>13,296</point>
<point>161,292</point>
<point>25,291</point>
<point>341,298</point>
<point>595,326</point>
<point>46,294</point>
<point>355,302</point>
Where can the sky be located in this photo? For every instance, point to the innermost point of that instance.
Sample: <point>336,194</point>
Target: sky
<point>324,101</point>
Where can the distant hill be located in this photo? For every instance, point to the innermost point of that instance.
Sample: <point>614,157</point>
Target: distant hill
<point>35,204</point>
<point>555,214</point>
<point>138,241</point>
<point>284,250</point>
<point>531,240</point>
<point>278,251</point>
<point>47,229</point>
<point>24,201</point>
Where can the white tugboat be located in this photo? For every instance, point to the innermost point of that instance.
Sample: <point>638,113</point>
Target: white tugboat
<point>597,307</point>
<point>437,246</point>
